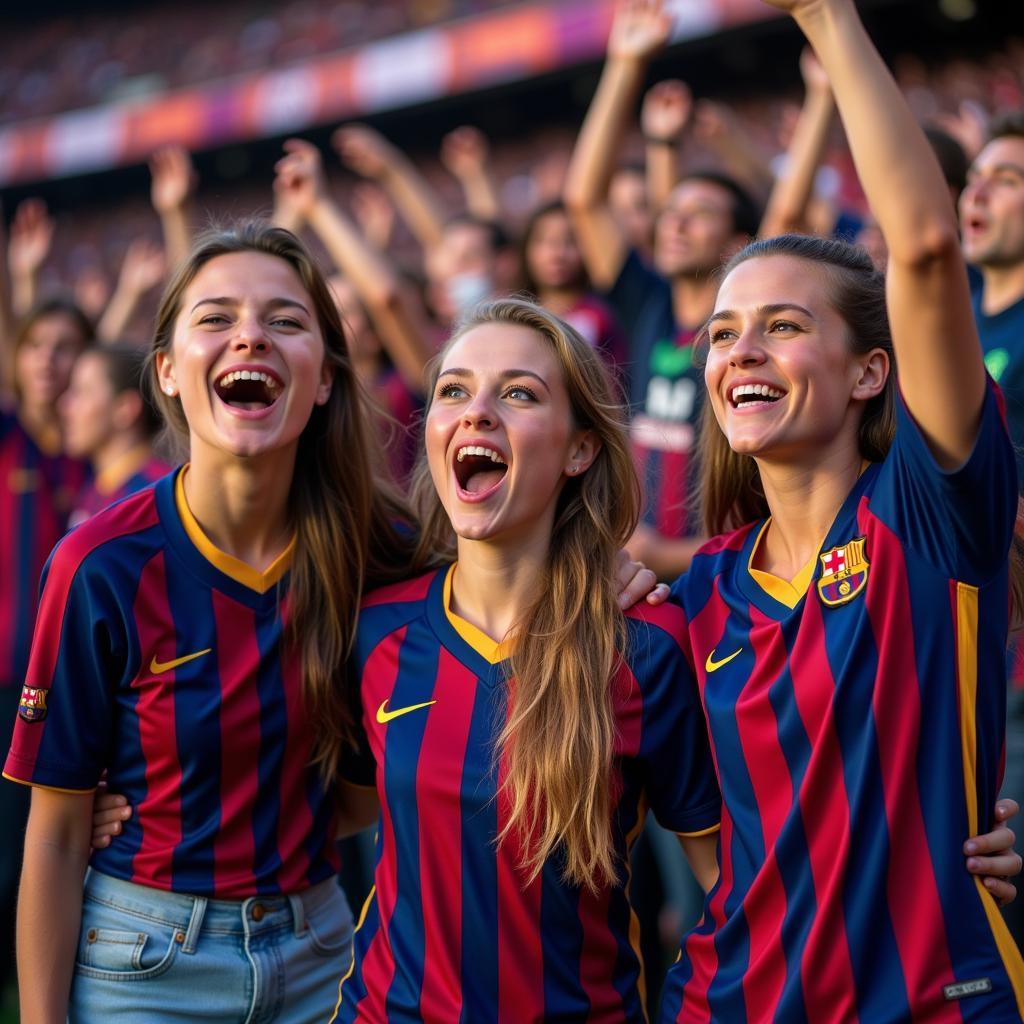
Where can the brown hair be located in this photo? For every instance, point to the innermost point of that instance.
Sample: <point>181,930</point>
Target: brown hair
<point>125,367</point>
<point>348,524</point>
<point>55,305</point>
<point>559,735</point>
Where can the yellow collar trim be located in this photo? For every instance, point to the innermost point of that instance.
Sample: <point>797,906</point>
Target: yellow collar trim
<point>239,571</point>
<point>787,592</point>
<point>489,649</point>
<point>121,469</point>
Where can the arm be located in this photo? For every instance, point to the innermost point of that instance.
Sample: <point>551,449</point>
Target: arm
<point>368,153</point>
<point>942,376</point>
<point>715,126</point>
<point>142,269</point>
<point>374,213</point>
<point>640,29</point>
<point>787,206</point>
<point>30,242</point>
<point>701,852</point>
<point>300,178</point>
<point>663,119</point>
<point>464,153</point>
<point>174,180</point>
<point>50,902</point>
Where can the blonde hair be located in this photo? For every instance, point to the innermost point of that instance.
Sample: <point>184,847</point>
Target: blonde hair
<point>558,741</point>
<point>344,517</point>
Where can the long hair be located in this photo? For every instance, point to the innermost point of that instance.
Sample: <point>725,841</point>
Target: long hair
<point>558,740</point>
<point>347,522</point>
<point>729,486</point>
<point>125,368</point>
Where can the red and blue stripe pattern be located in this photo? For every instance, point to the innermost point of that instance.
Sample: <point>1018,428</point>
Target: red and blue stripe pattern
<point>168,672</point>
<point>452,931</point>
<point>93,499</point>
<point>36,495</point>
<point>858,745</point>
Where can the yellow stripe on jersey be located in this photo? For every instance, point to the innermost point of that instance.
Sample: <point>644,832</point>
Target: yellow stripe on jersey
<point>352,962</point>
<point>634,921</point>
<point>702,832</point>
<point>238,570</point>
<point>52,789</point>
<point>491,650</point>
<point>787,592</point>
<point>967,675</point>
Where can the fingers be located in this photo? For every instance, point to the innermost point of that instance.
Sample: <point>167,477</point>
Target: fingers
<point>659,595</point>
<point>106,801</point>
<point>999,840</point>
<point>641,584</point>
<point>1003,891</point>
<point>108,823</point>
<point>1006,808</point>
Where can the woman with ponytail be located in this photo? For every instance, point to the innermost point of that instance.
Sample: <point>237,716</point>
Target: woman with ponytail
<point>848,623</point>
<point>517,724</point>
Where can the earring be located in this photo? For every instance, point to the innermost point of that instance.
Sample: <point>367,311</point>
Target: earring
<point>169,389</point>
<point>574,469</point>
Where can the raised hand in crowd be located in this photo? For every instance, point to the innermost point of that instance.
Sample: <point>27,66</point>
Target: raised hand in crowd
<point>717,128</point>
<point>144,267</point>
<point>29,245</point>
<point>174,181</point>
<point>464,152</point>
<point>91,290</point>
<point>968,125</point>
<point>664,117</point>
<point>374,213</point>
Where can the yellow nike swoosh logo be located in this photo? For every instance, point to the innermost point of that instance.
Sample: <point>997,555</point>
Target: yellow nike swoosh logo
<point>156,667</point>
<point>386,716</point>
<point>711,665</point>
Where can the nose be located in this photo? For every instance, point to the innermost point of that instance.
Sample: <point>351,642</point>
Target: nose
<point>250,336</point>
<point>747,349</point>
<point>479,412</point>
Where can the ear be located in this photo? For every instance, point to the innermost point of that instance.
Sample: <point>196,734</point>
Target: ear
<point>323,391</point>
<point>585,447</point>
<point>874,372</point>
<point>165,374</point>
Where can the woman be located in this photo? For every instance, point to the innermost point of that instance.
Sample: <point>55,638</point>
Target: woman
<point>517,724</point>
<point>553,271</point>
<point>189,639</point>
<point>848,636</point>
<point>38,485</point>
<point>108,420</point>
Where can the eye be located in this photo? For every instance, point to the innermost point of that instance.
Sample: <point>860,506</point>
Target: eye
<point>722,334</point>
<point>214,319</point>
<point>783,326</point>
<point>451,390</point>
<point>287,321</point>
<point>521,393</point>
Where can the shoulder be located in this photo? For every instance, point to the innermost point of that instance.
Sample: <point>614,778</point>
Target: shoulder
<point>667,620</point>
<point>407,592</point>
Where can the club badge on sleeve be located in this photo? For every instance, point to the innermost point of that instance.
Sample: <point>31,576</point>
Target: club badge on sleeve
<point>32,706</point>
<point>844,573</point>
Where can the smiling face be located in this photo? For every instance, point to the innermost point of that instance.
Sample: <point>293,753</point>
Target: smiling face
<point>781,374</point>
<point>992,205</point>
<point>695,229</point>
<point>247,356</point>
<point>500,434</point>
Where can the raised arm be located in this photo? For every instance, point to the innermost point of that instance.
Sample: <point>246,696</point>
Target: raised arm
<point>940,365</point>
<point>174,181</point>
<point>464,153</point>
<point>368,153</point>
<point>640,29</point>
<point>300,182</point>
<point>31,239</point>
<point>787,205</point>
<point>664,115</point>
<point>142,269</point>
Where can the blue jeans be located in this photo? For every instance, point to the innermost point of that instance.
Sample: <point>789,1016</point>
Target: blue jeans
<point>149,955</point>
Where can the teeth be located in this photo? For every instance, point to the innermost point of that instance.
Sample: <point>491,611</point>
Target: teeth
<point>229,378</point>
<point>760,390</point>
<point>475,449</point>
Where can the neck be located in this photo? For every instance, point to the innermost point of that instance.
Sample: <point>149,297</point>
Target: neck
<point>804,499</point>
<point>495,584</point>
<point>241,504</point>
<point>41,424</point>
<point>122,454</point>
<point>693,299</point>
<point>1002,287</point>
<point>559,300</point>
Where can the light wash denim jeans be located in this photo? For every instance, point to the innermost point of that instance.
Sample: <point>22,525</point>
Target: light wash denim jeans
<point>148,955</point>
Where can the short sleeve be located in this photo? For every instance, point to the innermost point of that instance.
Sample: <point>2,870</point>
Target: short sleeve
<point>682,787</point>
<point>961,521</point>
<point>63,731</point>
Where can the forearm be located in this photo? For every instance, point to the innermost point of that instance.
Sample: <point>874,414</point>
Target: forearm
<point>662,169</point>
<point>177,236</point>
<point>49,915</point>
<point>24,288</point>
<point>481,197</point>
<point>415,200</point>
<point>116,317</point>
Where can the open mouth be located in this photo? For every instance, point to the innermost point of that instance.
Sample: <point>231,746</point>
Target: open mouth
<point>248,390</point>
<point>747,395</point>
<point>479,469</point>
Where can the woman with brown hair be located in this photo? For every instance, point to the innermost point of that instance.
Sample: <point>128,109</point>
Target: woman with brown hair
<point>190,641</point>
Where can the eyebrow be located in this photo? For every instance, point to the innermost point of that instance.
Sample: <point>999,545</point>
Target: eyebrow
<point>461,371</point>
<point>226,300</point>
<point>1004,165</point>
<point>774,307</point>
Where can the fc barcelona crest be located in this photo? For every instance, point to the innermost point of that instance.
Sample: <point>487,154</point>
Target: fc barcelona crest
<point>32,706</point>
<point>844,573</point>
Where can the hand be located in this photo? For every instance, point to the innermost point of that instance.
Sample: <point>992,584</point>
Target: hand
<point>92,291</point>
<point>109,810</point>
<point>374,213</point>
<point>143,267</point>
<point>666,111</point>
<point>712,122</point>
<point>969,126</point>
<point>364,150</point>
<point>813,74</point>
<point>174,178</point>
<point>640,29</point>
<point>31,238</point>
<point>992,855</point>
<point>636,581</point>
<point>299,181</point>
<point>464,152</point>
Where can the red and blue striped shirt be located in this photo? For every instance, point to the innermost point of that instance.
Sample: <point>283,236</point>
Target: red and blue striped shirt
<point>857,726</point>
<point>137,471</point>
<point>452,931</point>
<point>161,659</point>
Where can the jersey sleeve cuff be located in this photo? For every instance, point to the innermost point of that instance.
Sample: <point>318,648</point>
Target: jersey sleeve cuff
<point>52,789</point>
<point>64,779</point>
